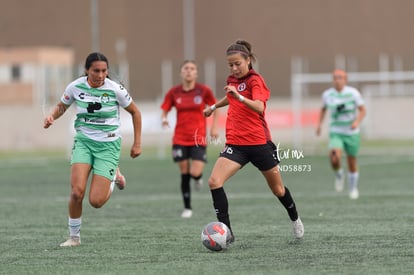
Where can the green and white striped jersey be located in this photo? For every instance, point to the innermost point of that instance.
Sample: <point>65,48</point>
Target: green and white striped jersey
<point>97,108</point>
<point>343,109</point>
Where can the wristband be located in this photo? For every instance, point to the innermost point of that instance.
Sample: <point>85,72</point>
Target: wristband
<point>241,98</point>
<point>213,107</point>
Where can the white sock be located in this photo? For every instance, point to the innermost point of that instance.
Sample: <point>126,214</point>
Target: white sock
<point>111,187</point>
<point>74,227</point>
<point>353,180</point>
<point>339,173</point>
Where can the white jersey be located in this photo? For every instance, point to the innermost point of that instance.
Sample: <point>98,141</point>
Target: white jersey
<point>97,108</point>
<point>343,108</point>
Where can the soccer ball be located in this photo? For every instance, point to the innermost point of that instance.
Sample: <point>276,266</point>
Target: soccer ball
<point>216,236</point>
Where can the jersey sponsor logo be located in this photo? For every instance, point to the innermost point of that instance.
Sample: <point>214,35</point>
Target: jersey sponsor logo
<point>95,120</point>
<point>340,108</point>
<point>241,87</point>
<point>86,96</point>
<point>198,99</point>
<point>93,106</point>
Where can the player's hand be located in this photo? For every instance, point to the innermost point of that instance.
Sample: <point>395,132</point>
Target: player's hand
<point>48,121</point>
<point>318,131</point>
<point>165,123</point>
<point>354,125</point>
<point>135,151</point>
<point>232,90</point>
<point>207,112</point>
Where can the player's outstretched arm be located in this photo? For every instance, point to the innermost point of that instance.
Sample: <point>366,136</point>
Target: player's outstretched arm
<point>221,103</point>
<point>57,112</point>
<point>137,124</point>
<point>321,117</point>
<point>361,114</point>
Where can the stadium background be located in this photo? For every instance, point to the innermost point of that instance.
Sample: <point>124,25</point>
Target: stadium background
<point>146,41</point>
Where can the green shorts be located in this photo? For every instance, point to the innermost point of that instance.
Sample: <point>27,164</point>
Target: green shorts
<point>348,143</point>
<point>102,156</point>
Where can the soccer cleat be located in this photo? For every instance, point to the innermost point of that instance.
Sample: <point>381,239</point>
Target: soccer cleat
<point>198,184</point>
<point>187,213</point>
<point>339,183</point>
<point>120,180</point>
<point>232,239</point>
<point>354,194</point>
<point>298,229</point>
<point>72,241</point>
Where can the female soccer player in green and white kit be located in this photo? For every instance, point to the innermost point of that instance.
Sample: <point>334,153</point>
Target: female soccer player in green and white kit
<point>97,143</point>
<point>347,110</point>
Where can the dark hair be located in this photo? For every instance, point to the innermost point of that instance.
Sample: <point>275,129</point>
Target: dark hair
<point>188,61</point>
<point>92,57</point>
<point>244,48</point>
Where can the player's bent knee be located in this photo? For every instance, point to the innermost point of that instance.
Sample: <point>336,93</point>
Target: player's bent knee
<point>213,183</point>
<point>96,203</point>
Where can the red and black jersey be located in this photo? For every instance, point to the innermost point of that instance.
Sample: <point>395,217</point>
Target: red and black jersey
<point>190,128</point>
<point>245,126</point>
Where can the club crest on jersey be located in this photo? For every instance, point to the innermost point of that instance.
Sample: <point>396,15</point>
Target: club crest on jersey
<point>105,98</point>
<point>241,87</point>
<point>198,99</point>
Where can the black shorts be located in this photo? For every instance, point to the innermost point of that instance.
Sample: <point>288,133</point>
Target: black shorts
<point>264,157</point>
<point>180,152</point>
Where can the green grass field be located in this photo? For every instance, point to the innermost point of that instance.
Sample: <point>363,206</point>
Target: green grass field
<point>139,231</point>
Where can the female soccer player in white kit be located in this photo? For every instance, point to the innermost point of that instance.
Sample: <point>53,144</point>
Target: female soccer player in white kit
<point>97,143</point>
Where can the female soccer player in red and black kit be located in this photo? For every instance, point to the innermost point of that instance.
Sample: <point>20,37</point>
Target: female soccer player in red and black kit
<point>248,137</point>
<point>190,139</point>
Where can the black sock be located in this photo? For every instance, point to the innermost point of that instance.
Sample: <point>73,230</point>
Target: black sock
<point>221,206</point>
<point>185,190</point>
<point>198,177</point>
<point>289,204</point>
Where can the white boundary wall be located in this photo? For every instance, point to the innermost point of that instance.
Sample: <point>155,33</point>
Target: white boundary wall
<point>387,118</point>
<point>390,112</point>
<point>389,106</point>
